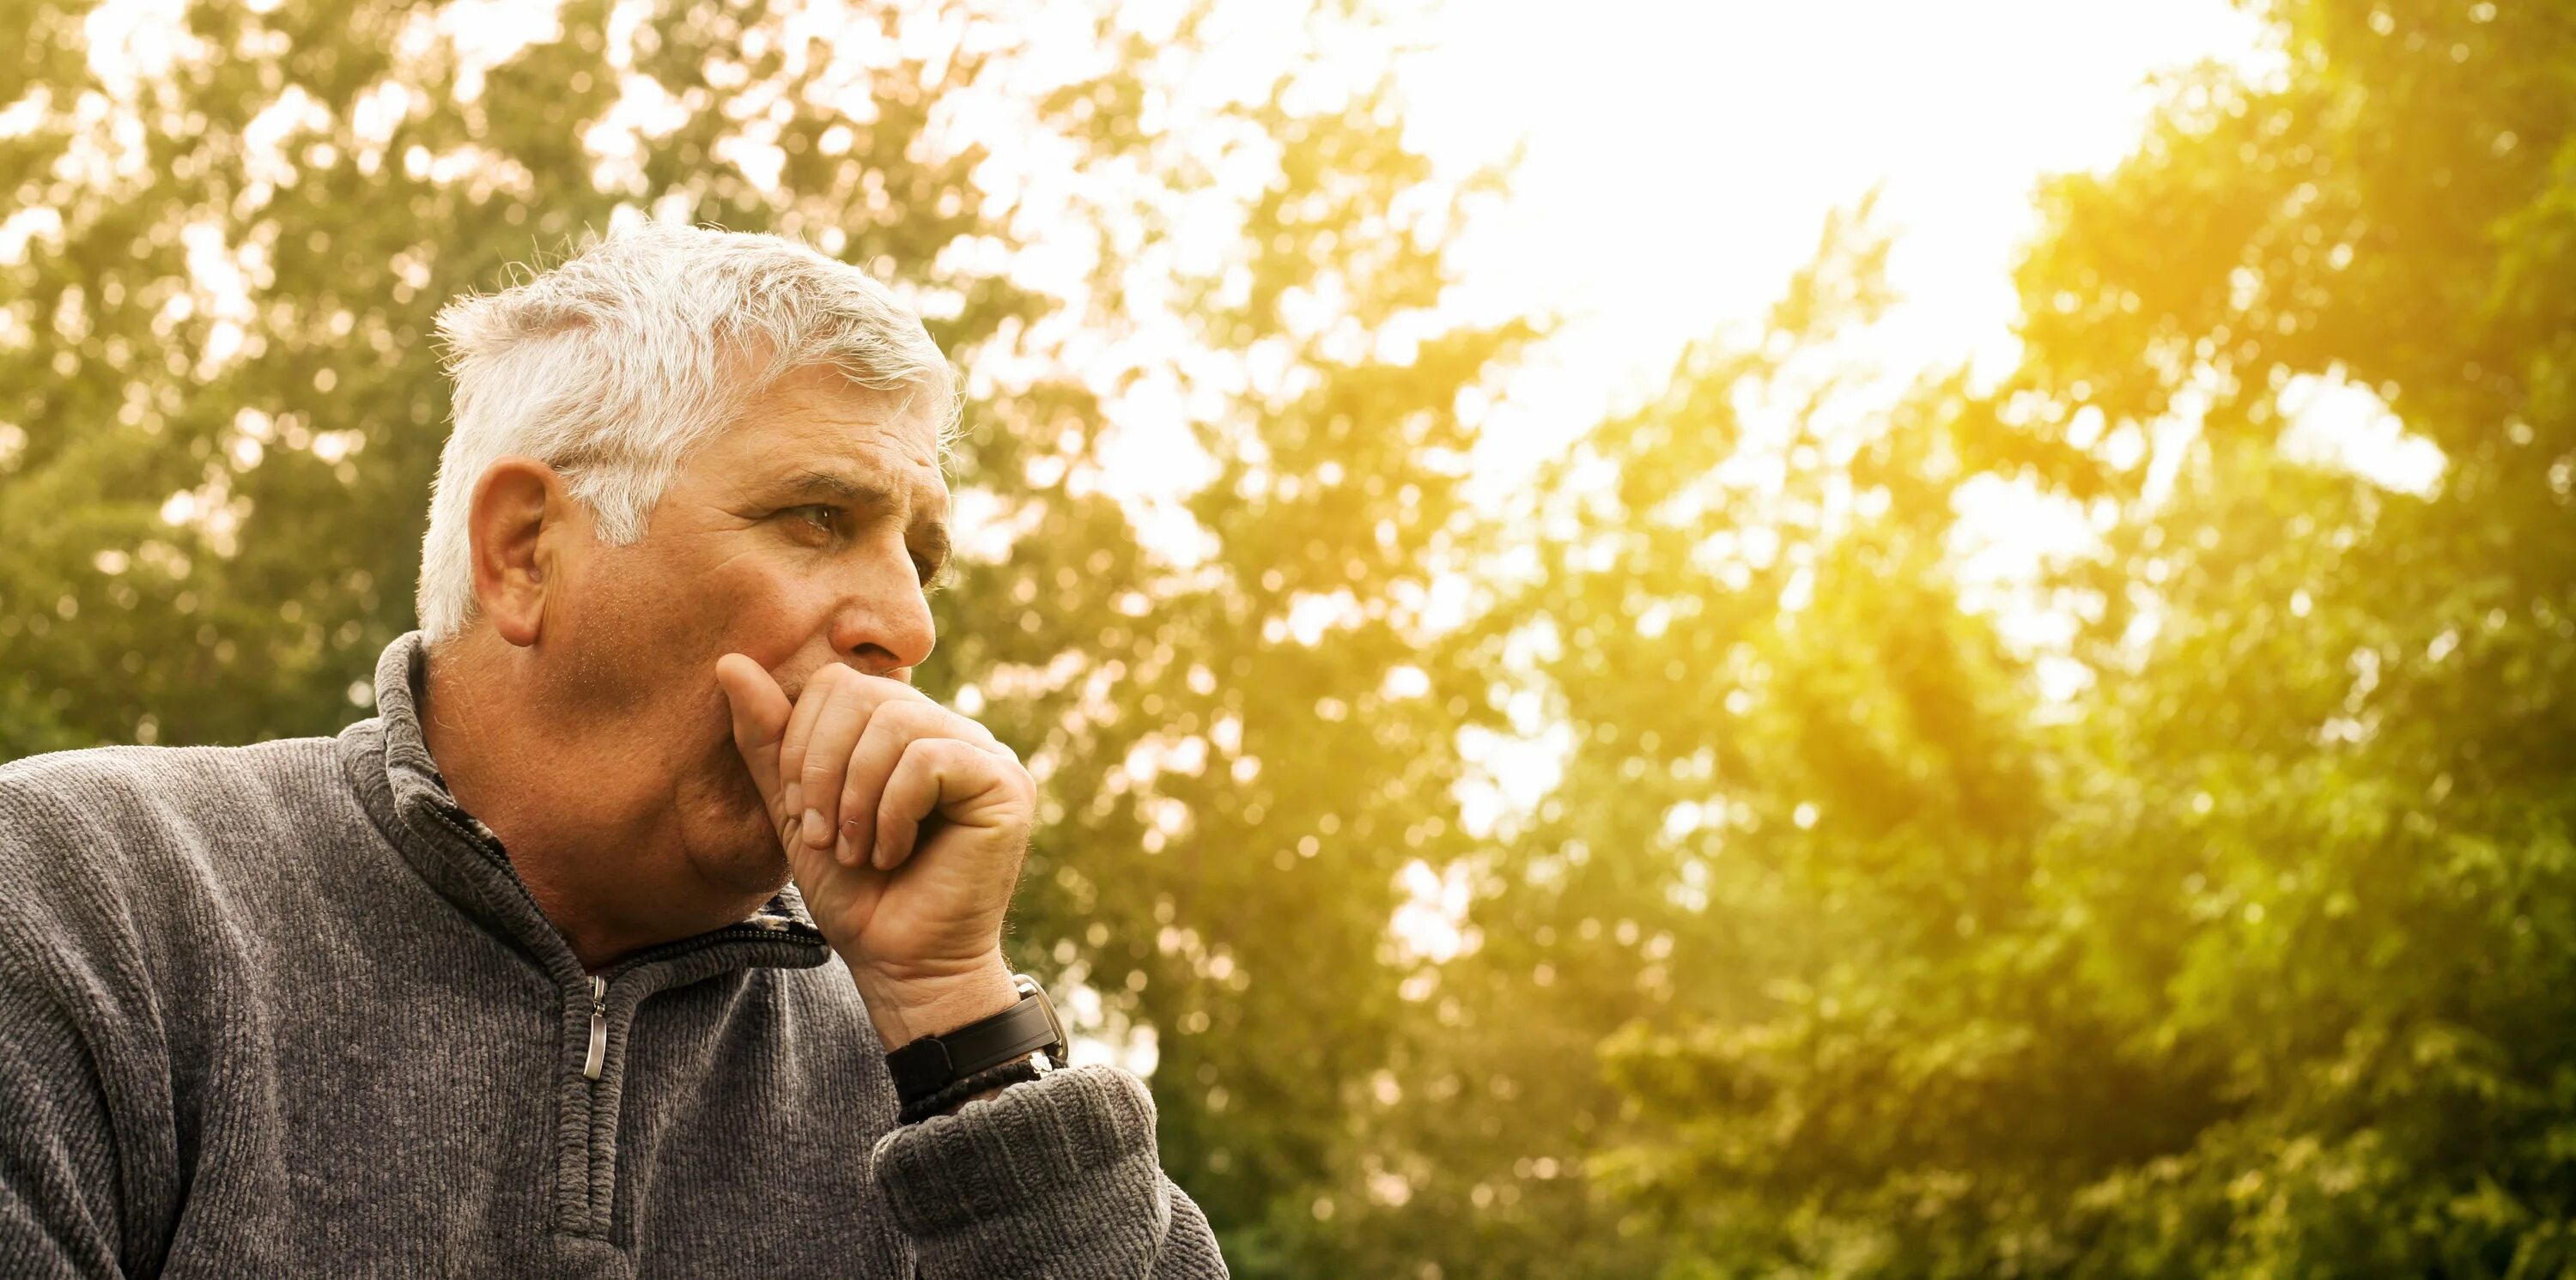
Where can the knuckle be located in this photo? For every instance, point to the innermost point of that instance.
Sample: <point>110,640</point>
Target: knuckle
<point>904,721</point>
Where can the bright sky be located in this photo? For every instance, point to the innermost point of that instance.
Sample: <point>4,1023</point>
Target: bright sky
<point>1681,161</point>
<point>1682,158</point>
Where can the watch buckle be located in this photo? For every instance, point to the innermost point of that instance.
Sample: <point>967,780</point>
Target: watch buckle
<point>1058,1054</point>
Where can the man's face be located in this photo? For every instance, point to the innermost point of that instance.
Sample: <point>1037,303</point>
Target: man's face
<point>802,535</point>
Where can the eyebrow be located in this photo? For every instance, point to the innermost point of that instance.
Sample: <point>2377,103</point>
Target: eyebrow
<point>852,490</point>
<point>866,494</point>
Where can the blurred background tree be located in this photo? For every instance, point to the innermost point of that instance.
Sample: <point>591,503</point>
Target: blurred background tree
<point>2260,953</point>
<point>1853,935</point>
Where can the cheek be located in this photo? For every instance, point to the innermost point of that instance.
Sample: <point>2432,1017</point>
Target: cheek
<point>763,608</point>
<point>615,635</point>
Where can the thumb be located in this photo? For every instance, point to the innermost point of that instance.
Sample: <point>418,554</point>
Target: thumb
<point>760,712</point>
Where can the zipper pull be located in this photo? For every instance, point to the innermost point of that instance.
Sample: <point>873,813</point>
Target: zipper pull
<point>598,1028</point>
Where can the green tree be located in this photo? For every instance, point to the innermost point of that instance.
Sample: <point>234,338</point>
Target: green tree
<point>2274,976</point>
<point>1244,740</point>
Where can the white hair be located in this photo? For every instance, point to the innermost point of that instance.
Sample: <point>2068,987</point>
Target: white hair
<point>611,366</point>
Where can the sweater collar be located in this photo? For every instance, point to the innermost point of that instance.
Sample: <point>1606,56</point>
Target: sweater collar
<point>387,760</point>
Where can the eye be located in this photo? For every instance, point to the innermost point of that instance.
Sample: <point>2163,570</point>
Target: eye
<point>821,518</point>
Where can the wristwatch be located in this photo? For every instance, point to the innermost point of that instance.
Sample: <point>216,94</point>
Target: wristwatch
<point>933,1066</point>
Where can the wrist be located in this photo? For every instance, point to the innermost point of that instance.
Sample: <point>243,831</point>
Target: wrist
<point>943,1070</point>
<point>908,1007</point>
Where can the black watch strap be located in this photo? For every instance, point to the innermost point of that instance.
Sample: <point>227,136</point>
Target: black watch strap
<point>989,1080</point>
<point>932,1063</point>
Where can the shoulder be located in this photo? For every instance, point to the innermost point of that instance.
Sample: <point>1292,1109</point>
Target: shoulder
<point>110,837</point>
<point>105,790</point>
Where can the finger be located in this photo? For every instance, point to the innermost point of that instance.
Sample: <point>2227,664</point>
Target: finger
<point>810,702</point>
<point>958,780</point>
<point>760,714</point>
<point>836,735</point>
<point>894,726</point>
<point>903,714</point>
<point>837,724</point>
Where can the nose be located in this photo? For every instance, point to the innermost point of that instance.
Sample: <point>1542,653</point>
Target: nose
<point>882,624</point>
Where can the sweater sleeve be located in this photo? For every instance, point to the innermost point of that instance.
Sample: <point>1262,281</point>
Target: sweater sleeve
<point>63,1178</point>
<point>1056,1178</point>
<point>58,1200</point>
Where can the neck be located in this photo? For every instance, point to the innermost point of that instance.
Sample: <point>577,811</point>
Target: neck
<point>596,844</point>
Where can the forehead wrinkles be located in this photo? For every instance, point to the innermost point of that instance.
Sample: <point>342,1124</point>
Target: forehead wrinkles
<point>836,430</point>
<point>874,471</point>
<point>861,465</point>
<point>823,397</point>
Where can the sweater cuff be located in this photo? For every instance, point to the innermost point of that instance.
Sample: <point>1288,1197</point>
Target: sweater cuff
<point>1063,1165</point>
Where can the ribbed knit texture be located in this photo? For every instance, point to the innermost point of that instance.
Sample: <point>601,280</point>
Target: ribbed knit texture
<point>983,1184</point>
<point>285,1010</point>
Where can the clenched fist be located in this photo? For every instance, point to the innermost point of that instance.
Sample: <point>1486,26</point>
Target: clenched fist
<point>904,824</point>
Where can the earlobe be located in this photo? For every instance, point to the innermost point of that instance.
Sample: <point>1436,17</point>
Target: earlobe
<point>513,501</point>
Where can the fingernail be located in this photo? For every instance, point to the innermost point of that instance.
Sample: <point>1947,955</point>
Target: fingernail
<point>815,831</point>
<point>795,797</point>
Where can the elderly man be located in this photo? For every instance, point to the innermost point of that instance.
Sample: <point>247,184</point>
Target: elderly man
<point>652,926</point>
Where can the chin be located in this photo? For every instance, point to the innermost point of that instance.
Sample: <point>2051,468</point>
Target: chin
<point>742,855</point>
<point>729,840</point>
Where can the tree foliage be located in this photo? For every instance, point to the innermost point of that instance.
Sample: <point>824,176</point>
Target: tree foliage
<point>2260,951</point>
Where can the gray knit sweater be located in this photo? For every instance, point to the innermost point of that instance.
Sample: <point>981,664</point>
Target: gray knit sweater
<point>286,1010</point>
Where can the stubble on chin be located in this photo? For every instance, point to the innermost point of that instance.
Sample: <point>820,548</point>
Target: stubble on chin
<point>725,828</point>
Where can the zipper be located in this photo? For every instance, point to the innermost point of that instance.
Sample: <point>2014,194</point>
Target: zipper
<point>598,1028</point>
<point>586,1212</point>
<point>598,1054</point>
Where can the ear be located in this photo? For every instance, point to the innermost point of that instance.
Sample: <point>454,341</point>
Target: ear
<point>521,513</point>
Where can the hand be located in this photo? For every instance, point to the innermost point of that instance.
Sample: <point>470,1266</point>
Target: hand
<point>904,825</point>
